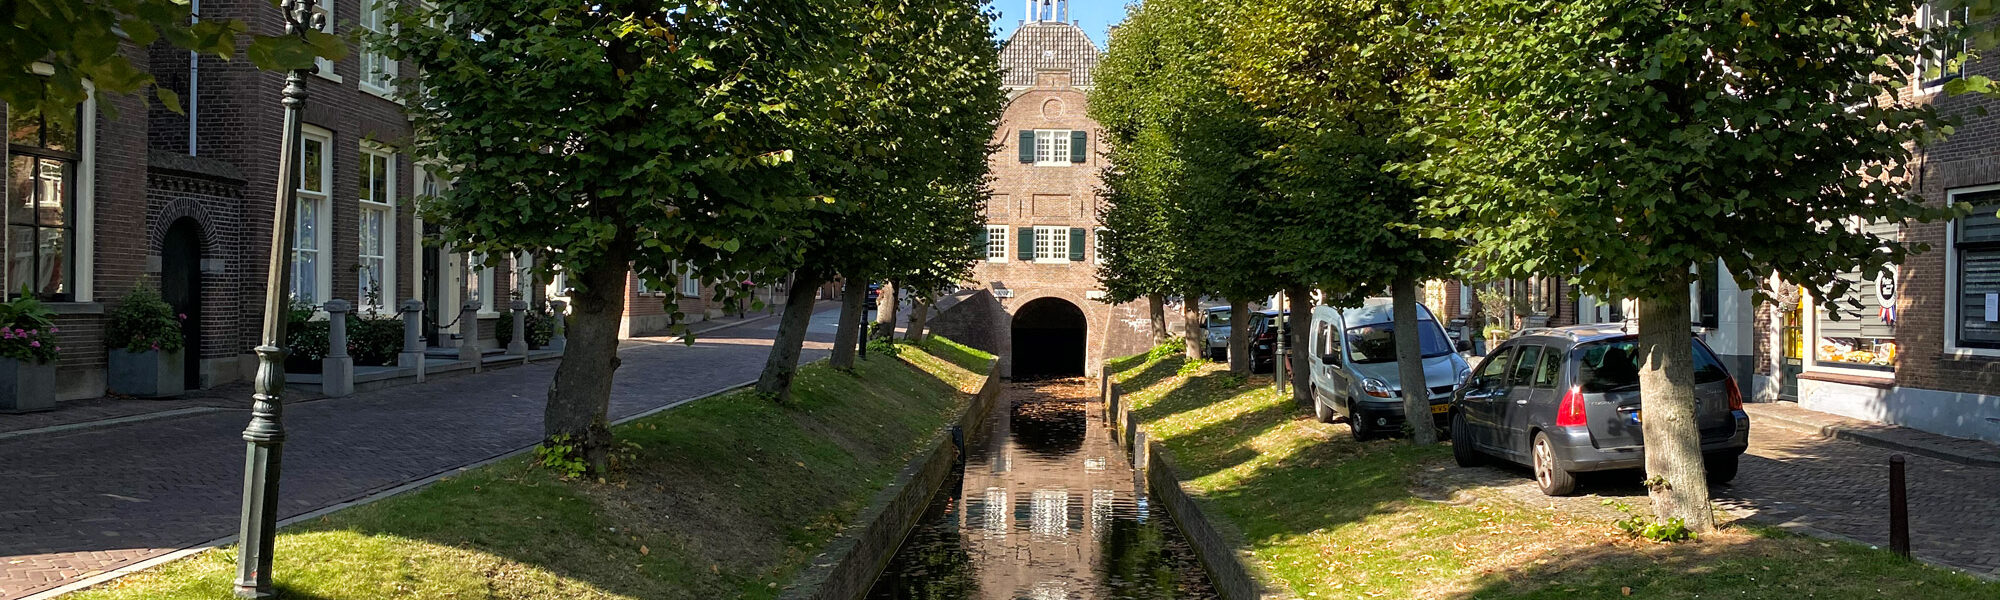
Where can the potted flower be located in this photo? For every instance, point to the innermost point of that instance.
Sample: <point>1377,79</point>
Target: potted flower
<point>144,334</point>
<point>27,355</point>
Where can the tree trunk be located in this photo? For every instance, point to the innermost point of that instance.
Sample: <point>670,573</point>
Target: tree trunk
<point>1299,300</point>
<point>1156,315</point>
<point>1410,362</point>
<point>1192,333</point>
<point>853,297</point>
<point>885,313</point>
<point>1239,336</point>
<point>1674,471</point>
<point>580,395</point>
<point>920,316</point>
<point>776,380</point>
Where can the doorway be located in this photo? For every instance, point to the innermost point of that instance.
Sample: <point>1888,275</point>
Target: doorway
<point>1048,335</point>
<point>180,286</point>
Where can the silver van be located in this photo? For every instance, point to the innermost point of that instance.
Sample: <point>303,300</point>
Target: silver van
<point>1354,372</point>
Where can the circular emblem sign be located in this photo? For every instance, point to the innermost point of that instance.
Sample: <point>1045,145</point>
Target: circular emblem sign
<point>1885,289</point>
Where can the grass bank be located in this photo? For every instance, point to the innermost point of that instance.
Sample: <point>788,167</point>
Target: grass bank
<point>1333,518</point>
<point>966,357</point>
<point>726,497</point>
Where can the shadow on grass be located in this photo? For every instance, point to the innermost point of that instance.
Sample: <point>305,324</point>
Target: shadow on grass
<point>723,498</point>
<point>1153,373</point>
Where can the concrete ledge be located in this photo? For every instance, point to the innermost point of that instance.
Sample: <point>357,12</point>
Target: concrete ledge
<point>1902,439</point>
<point>849,566</point>
<point>1219,545</point>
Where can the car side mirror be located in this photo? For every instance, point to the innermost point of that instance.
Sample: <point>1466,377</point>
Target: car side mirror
<point>1327,359</point>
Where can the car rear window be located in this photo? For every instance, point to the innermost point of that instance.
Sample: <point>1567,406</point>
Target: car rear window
<point>1218,319</point>
<point>1614,365</point>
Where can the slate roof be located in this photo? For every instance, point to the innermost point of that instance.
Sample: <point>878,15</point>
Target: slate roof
<point>1044,46</point>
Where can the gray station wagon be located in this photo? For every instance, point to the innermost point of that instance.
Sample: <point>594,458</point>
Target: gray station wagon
<point>1566,400</point>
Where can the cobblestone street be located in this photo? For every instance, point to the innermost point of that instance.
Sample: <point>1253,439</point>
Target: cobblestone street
<point>83,502</point>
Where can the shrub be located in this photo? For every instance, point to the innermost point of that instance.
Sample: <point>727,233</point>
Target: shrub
<point>27,329</point>
<point>372,340</point>
<point>143,321</point>
<point>540,324</point>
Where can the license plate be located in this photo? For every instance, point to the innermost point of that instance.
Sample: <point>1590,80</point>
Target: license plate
<point>1635,417</point>
<point>1439,408</point>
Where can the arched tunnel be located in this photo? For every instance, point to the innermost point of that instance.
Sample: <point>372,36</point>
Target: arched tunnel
<point>1048,339</point>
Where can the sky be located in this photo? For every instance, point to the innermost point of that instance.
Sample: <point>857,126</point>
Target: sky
<point>1094,16</point>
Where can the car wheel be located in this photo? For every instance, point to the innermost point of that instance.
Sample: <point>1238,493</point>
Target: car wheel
<point>1553,480</point>
<point>1461,442</point>
<point>1360,432</point>
<point>1321,411</point>
<point>1722,468</point>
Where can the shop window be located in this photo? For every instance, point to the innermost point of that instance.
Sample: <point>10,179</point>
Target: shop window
<point>1858,329</point>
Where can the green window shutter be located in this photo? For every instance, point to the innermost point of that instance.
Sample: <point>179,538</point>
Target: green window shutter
<point>1027,146</point>
<point>1076,243</point>
<point>1079,146</point>
<point>979,242</point>
<point>1027,243</point>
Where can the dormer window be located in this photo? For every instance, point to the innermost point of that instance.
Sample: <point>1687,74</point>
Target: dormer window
<point>1054,147</point>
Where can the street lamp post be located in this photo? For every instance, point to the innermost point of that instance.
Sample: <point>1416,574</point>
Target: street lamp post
<point>867,327</point>
<point>1281,350</point>
<point>265,436</point>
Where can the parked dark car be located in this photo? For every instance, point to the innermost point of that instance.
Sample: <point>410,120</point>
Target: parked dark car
<point>1566,400</point>
<point>1264,339</point>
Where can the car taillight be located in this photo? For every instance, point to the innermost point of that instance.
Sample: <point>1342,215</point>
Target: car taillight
<point>1570,412</point>
<point>1735,396</point>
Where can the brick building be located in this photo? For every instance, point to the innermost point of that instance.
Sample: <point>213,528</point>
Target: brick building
<point>1037,287</point>
<point>1923,347</point>
<point>136,193</point>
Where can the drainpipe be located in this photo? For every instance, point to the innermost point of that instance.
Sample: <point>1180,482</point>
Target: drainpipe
<point>194,81</point>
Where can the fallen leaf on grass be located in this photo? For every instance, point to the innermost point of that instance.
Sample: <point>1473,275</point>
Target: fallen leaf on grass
<point>646,551</point>
<point>1627,590</point>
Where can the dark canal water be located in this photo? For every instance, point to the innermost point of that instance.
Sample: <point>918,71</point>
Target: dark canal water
<point>1046,508</point>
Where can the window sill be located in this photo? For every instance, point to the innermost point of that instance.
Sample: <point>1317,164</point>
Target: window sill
<point>1960,353</point>
<point>379,92</point>
<point>75,308</point>
<point>1051,261</point>
<point>1874,381</point>
<point>1056,164</point>
<point>333,77</point>
<point>997,261</point>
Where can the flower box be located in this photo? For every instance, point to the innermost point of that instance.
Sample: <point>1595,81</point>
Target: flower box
<point>147,374</point>
<point>27,386</point>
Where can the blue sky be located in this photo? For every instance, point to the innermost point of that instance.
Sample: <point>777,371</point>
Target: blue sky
<point>1094,16</point>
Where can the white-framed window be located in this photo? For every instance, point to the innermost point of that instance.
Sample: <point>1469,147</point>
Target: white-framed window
<point>49,183</point>
<point>312,267</point>
<point>1097,246</point>
<point>377,258</point>
<point>996,243</point>
<point>325,67</point>
<point>485,277</point>
<point>524,274</point>
<point>378,71</point>
<point>1862,341</point>
<point>640,286</point>
<point>690,284</point>
<point>1052,147</point>
<point>1972,275</point>
<point>1051,244</point>
<point>1934,66</point>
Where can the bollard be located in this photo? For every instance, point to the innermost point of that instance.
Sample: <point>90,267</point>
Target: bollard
<point>468,333</point>
<point>519,345</point>
<point>557,311</point>
<point>412,356</point>
<point>337,369</point>
<point>1899,508</point>
<point>1140,454</point>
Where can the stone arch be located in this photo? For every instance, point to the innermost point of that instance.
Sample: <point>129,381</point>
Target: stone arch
<point>1049,336</point>
<point>172,211</point>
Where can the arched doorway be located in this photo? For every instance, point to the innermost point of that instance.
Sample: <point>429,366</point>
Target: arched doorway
<point>1048,336</point>
<point>180,286</point>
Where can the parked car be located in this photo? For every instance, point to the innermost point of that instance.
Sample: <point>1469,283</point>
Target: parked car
<point>1355,375</point>
<point>1215,325</point>
<point>1566,400</point>
<point>1264,339</point>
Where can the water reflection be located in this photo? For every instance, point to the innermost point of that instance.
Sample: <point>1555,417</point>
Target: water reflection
<point>1046,471</point>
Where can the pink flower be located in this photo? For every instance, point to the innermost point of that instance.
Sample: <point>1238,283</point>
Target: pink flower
<point>156,345</point>
<point>59,348</point>
<point>54,329</point>
<point>34,344</point>
<point>34,332</point>
<point>183,316</point>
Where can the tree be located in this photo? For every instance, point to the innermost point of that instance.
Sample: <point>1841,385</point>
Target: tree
<point>1627,142</point>
<point>909,166</point>
<point>53,46</point>
<point>618,136</point>
<point>1333,81</point>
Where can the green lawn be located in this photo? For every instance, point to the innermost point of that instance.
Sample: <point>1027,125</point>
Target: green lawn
<point>1332,518</point>
<point>722,498</point>
<point>966,357</point>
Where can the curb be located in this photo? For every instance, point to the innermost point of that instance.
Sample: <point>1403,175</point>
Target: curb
<point>1867,438</point>
<point>114,421</point>
<point>1801,529</point>
<point>363,499</point>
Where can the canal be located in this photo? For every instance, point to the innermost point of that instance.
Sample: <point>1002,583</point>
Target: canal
<point>1045,507</point>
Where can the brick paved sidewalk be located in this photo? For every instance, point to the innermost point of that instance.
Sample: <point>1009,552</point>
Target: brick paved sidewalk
<point>79,503</point>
